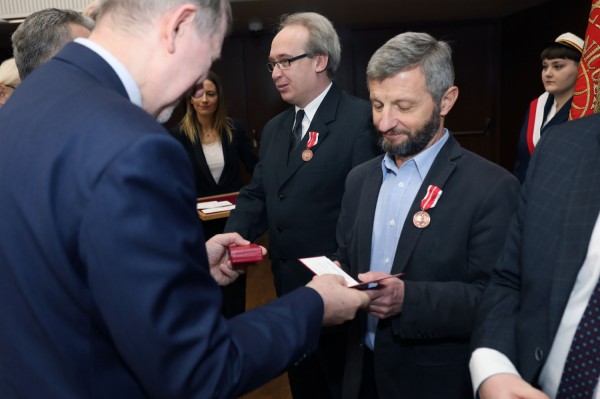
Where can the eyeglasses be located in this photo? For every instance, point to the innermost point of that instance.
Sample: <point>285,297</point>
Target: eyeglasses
<point>284,64</point>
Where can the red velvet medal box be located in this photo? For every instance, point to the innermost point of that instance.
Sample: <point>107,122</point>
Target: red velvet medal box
<point>245,254</point>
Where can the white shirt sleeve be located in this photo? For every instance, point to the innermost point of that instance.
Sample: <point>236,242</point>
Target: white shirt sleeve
<point>486,362</point>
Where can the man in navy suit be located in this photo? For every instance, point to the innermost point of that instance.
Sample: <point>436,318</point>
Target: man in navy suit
<point>297,186</point>
<point>105,285</point>
<point>548,270</point>
<point>428,209</point>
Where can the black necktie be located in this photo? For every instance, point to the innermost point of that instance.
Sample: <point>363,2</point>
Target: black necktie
<point>582,367</point>
<point>297,132</point>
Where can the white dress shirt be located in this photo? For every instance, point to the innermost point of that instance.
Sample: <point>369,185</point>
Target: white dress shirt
<point>311,109</point>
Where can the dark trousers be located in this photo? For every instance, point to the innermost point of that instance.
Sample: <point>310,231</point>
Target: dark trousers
<point>319,376</point>
<point>368,389</point>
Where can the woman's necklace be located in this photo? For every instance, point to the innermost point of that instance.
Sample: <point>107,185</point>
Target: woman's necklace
<point>209,136</point>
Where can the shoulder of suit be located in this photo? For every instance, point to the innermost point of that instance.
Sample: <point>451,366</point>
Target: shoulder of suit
<point>573,138</point>
<point>356,101</point>
<point>367,166</point>
<point>472,161</point>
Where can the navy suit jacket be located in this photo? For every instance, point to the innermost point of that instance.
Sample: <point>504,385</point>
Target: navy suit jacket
<point>423,352</point>
<point>105,290</point>
<point>547,243</point>
<point>299,202</point>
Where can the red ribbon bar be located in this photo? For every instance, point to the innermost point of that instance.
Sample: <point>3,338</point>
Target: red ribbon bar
<point>431,198</point>
<point>312,140</point>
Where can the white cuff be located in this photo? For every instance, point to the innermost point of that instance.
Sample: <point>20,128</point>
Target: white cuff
<point>486,362</point>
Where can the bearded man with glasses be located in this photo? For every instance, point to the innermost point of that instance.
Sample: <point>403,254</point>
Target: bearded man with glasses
<point>297,187</point>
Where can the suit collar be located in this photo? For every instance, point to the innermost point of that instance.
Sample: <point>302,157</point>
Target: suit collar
<point>90,62</point>
<point>135,96</point>
<point>370,193</point>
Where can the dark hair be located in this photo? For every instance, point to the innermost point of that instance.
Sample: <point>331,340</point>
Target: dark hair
<point>190,125</point>
<point>42,35</point>
<point>557,50</point>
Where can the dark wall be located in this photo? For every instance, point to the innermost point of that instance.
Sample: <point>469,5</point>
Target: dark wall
<point>497,71</point>
<point>252,96</point>
<point>6,31</point>
<point>523,37</point>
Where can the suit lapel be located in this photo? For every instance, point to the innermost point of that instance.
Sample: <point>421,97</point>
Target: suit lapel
<point>282,140</point>
<point>440,171</point>
<point>370,193</point>
<point>324,115</point>
<point>581,214</point>
<point>96,66</point>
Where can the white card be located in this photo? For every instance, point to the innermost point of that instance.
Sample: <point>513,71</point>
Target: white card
<point>217,209</point>
<point>320,265</point>
<point>212,204</point>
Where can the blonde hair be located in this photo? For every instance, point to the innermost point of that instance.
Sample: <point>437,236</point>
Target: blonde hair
<point>9,74</point>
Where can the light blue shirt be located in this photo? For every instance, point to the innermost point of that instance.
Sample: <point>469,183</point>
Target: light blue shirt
<point>396,196</point>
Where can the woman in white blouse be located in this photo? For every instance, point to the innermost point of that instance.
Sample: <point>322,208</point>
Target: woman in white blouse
<point>217,145</point>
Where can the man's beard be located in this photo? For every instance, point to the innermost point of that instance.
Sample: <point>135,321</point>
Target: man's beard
<point>416,140</point>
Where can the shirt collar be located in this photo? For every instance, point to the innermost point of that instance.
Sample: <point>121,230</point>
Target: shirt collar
<point>128,82</point>
<point>311,108</point>
<point>422,160</point>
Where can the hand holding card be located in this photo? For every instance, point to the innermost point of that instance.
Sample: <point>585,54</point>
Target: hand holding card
<point>323,265</point>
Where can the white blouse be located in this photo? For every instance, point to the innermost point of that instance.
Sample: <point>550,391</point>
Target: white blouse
<point>214,158</point>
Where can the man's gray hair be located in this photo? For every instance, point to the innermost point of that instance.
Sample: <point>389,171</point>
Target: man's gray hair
<point>130,14</point>
<point>322,37</point>
<point>409,50</point>
<point>42,35</point>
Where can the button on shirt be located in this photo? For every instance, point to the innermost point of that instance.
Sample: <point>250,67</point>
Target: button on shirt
<point>396,196</point>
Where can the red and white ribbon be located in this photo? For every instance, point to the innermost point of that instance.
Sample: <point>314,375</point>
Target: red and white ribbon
<point>431,198</point>
<point>313,139</point>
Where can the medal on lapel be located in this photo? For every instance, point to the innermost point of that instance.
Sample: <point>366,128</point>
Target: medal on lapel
<point>421,219</point>
<point>313,138</point>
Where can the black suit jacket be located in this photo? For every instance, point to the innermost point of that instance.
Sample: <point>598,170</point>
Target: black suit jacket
<point>299,202</point>
<point>239,149</point>
<point>423,351</point>
<point>546,246</point>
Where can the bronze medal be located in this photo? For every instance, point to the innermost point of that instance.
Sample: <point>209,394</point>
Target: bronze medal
<point>421,219</point>
<point>307,155</point>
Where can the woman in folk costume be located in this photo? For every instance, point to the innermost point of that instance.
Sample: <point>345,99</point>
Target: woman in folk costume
<point>560,63</point>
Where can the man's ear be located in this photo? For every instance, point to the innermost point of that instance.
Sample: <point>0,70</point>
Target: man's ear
<point>448,100</point>
<point>322,61</point>
<point>176,24</point>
